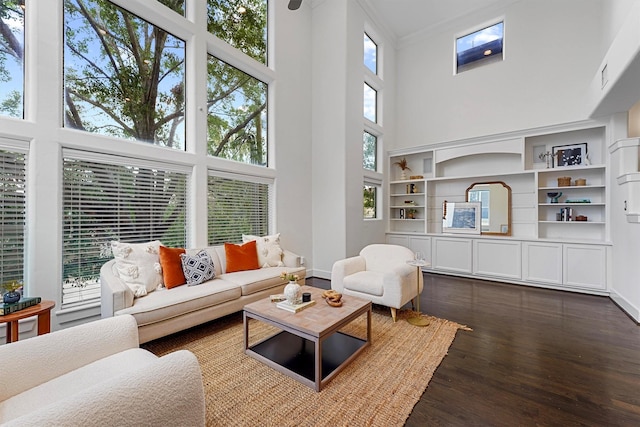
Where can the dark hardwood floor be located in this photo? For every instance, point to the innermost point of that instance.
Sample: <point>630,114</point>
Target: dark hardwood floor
<point>535,357</point>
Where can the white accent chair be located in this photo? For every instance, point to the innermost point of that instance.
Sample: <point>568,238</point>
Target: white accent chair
<point>380,273</point>
<point>95,374</point>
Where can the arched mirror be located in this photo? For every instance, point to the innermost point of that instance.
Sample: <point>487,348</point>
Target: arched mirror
<point>495,199</point>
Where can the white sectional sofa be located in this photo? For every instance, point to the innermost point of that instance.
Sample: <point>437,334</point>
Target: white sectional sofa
<point>95,374</point>
<point>166,311</point>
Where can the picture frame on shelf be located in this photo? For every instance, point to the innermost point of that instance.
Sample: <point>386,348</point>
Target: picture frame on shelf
<point>461,217</point>
<point>570,155</point>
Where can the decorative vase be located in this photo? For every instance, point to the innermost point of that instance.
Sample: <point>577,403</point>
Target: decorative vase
<point>403,174</point>
<point>293,293</point>
<point>11,297</point>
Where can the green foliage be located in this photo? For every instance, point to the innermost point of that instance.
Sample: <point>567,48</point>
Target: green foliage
<point>124,77</point>
<point>369,151</point>
<point>369,197</point>
<point>236,208</point>
<point>11,52</point>
<point>241,23</point>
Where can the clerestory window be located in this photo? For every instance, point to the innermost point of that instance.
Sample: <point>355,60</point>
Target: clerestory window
<point>242,24</point>
<point>480,47</point>
<point>123,76</point>
<point>370,54</point>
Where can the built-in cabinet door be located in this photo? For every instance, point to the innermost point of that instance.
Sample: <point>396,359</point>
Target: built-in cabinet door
<point>497,258</point>
<point>585,266</point>
<point>398,240</point>
<point>451,254</point>
<point>421,244</point>
<point>542,262</point>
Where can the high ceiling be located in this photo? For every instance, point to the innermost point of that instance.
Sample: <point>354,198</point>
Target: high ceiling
<point>405,17</point>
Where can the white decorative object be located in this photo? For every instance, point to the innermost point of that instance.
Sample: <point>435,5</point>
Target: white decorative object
<point>293,293</point>
<point>138,265</point>
<point>269,250</point>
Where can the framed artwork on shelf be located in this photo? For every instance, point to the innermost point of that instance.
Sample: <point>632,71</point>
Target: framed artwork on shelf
<point>461,217</point>
<point>570,155</point>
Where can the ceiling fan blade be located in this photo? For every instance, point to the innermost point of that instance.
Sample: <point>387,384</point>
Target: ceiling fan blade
<point>294,4</point>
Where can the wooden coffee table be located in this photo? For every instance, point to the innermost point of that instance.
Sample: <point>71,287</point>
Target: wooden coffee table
<point>310,346</point>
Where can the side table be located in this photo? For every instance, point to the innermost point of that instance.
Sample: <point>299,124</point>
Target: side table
<point>418,320</point>
<point>42,310</point>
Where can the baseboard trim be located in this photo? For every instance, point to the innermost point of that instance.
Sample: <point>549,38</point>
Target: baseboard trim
<point>626,306</point>
<point>321,274</point>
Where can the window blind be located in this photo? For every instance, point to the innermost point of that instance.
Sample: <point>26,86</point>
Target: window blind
<point>237,206</point>
<point>115,199</point>
<point>12,215</point>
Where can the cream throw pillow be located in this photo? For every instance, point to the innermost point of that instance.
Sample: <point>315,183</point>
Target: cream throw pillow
<point>269,250</point>
<point>138,265</point>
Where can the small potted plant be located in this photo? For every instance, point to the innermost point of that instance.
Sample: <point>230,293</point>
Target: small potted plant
<point>403,168</point>
<point>10,291</point>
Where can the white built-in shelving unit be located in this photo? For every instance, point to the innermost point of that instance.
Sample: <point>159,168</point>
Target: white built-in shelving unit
<point>541,249</point>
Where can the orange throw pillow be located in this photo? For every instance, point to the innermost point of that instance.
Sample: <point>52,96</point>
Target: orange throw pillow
<point>241,257</point>
<point>172,267</point>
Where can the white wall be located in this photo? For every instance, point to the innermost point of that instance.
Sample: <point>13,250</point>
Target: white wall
<point>292,121</point>
<point>339,229</point>
<point>329,62</point>
<point>625,289</point>
<point>549,61</point>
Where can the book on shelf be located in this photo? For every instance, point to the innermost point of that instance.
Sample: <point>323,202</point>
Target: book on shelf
<point>24,302</point>
<point>294,308</point>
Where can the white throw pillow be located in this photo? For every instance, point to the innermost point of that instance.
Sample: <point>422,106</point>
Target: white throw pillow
<point>138,265</point>
<point>269,250</point>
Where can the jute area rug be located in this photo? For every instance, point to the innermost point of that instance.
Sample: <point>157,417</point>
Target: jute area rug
<point>379,388</point>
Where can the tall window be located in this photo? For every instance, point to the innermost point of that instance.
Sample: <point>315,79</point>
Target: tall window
<point>373,85</point>
<point>12,215</point>
<point>108,198</point>
<point>242,24</point>
<point>237,207</point>
<point>369,151</point>
<point>370,196</point>
<point>12,58</point>
<point>237,120</point>
<point>370,54</point>
<point>480,47</point>
<point>123,76</point>
<point>370,103</point>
